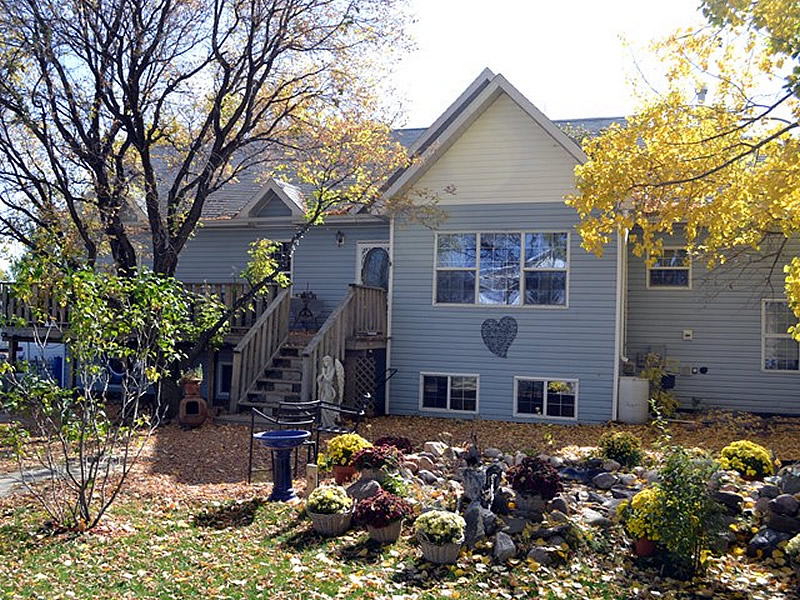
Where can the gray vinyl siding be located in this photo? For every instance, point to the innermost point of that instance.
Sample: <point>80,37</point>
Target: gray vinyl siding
<point>272,206</point>
<point>326,268</point>
<point>572,343</point>
<point>723,310</point>
<point>218,254</point>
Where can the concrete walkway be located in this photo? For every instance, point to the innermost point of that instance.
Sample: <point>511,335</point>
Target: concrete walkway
<point>10,482</point>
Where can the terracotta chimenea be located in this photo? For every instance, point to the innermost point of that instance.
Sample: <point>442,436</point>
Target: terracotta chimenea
<point>193,409</point>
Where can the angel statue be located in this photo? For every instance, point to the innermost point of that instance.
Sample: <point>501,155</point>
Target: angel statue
<point>330,388</point>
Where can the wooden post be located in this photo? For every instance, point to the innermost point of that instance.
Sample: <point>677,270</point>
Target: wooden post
<point>211,390</point>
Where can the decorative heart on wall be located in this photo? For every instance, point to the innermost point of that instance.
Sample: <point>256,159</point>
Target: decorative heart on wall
<point>498,335</point>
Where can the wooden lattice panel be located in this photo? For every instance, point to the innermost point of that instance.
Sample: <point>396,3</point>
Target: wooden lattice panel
<point>360,379</point>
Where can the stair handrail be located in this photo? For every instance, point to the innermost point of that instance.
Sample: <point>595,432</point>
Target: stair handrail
<point>363,310</point>
<point>259,346</point>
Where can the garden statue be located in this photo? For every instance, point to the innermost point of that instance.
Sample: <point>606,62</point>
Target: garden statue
<point>330,387</point>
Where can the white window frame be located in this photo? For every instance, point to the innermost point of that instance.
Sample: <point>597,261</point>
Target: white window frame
<point>218,393</point>
<point>546,380</point>
<point>361,251</point>
<point>765,336</point>
<point>449,376</point>
<point>687,266</point>
<point>522,270</point>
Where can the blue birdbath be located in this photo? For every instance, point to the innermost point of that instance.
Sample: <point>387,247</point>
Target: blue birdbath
<point>281,443</point>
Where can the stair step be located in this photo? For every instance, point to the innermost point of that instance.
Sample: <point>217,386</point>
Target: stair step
<point>275,396</point>
<point>289,351</point>
<point>278,385</point>
<point>288,362</point>
<point>283,373</point>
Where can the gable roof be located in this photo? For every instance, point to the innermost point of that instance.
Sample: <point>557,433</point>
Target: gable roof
<point>460,115</point>
<point>287,193</point>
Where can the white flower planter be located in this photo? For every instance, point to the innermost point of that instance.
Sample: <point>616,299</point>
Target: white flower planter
<point>385,535</point>
<point>331,525</point>
<point>442,554</point>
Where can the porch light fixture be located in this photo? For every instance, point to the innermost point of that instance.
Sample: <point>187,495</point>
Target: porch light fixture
<point>339,238</point>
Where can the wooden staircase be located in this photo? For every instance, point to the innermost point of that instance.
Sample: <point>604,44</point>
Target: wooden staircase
<point>282,380</point>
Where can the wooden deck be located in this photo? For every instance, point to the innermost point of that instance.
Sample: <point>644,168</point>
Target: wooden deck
<point>26,321</point>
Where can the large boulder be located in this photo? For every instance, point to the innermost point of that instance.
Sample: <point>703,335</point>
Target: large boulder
<point>785,504</point>
<point>766,541</point>
<point>789,479</point>
<point>604,481</point>
<point>504,547</point>
<point>363,488</point>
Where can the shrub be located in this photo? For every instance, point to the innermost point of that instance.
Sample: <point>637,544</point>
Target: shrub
<point>401,443</point>
<point>341,450</point>
<point>377,457</point>
<point>689,517</point>
<point>642,515</point>
<point>329,500</point>
<point>663,402</point>
<point>440,527</point>
<point>381,510</point>
<point>747,458</point>
<point>534,476</point>
<point>621,446</point>
<point>395,484</point>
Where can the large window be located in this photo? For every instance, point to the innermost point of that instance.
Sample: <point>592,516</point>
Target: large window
<point>671,270</point>
<point>779,350</point>
<point>502,269</point>
<point>457,393</point>
<point>542,397</point>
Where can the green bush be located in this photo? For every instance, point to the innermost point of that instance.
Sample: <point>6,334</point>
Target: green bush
<point>621,446</point>
<point>688,517</point>
<point>395,484</point>
<point>747,458</point>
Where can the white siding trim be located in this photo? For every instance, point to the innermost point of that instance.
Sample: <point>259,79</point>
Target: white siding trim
<point>544,416</point>
<point>765,335</point>
<point>389,311</point>
<point>477,270</point>
<point>450,376</point>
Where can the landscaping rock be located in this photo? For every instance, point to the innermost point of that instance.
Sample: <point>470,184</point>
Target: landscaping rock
<point>474,480</point>
<point>514,525</point>
<point>556,461</point>
<point>577,474</point>
<point>784,523</point>
<point>789,478</point>
<point>474,530</point>
<point>731,500</point>
<point>762,506</point>
<point>611,466</point>
<point>769,491</point>
<point>651,476</point>
<point>558,517</point>
<point>435,448</point>
<point>594,518</point>
<point>490,523</point>
<point>593,464</point>
<point>623,493</point>
<point>542,555</point>
<point>363,488</point>
<point>639,471</point>
<point>455,453</point>
<point>766,540</point>
<point>411,466</point>
<point>425,463</point>
<point>504,547</point>
<point>785,504</point>
<point>519,457</point>
<point>604,481</point>
<point>428,477</point>
<point>627,479</point>
<point>493,453</point>
<point>502,497</point>
<point>559,504</point>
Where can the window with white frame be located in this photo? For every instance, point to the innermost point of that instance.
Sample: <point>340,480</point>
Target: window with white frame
<point>781,352</point>
<point>542,397</point>
<point>449,392</point>
<point>503,269</point>
<point>672,269</point>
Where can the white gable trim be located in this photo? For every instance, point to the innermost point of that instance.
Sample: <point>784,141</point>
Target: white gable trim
<point>499,85</point>
<point>279,188</point>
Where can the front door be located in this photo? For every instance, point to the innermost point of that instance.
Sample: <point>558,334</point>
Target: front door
<point>372,265</point>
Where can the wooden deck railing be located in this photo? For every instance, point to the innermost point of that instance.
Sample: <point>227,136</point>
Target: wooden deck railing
<point>259,346</point>
<point>19,313</point>
<point>361,312</point>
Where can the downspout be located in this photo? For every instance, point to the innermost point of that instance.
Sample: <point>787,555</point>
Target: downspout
<point>619,325</point>
<point>389,304</point>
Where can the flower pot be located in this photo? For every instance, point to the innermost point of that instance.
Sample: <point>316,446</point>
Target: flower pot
<point>530,503</point>
<point>343,474</point>
<point>385,535</point>
<point>441,554</point>
<point>644,547</point>
<point>331,525</point>
<point>372,475</point>
<point>191,387</point>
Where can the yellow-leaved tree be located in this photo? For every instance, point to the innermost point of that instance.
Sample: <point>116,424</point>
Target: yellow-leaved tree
<point>716,156</point>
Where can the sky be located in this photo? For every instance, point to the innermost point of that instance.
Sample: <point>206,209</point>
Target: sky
<point>565,56</point>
